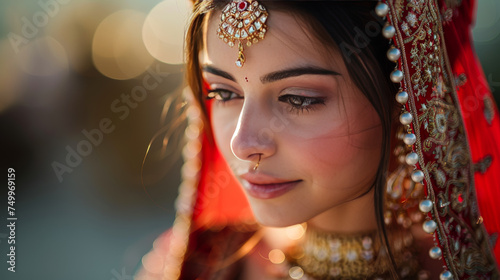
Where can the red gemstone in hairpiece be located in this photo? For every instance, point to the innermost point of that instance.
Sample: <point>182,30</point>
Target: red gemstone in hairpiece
<point>242,5</point>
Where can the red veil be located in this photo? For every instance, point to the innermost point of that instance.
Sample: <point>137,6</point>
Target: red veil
<point>480,116</point>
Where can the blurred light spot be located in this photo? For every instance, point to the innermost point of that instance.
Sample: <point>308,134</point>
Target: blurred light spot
<point>43,57</point>
<point>163,31</point>
<point>153,262</point>
<point>74,29</point>
<point>194,147</point>
<point>117,49</point>
<point>295,232</point>
<point>192,132</point>
<point>9,80</point>
<point>276,256</point>
<point>296,272</point>
<point>193,112</point>
<point>487,21</point>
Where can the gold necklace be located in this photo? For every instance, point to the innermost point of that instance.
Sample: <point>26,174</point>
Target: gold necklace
<point>353,256</point>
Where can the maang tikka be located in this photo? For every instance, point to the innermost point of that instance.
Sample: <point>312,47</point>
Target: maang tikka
<point>242,20</point>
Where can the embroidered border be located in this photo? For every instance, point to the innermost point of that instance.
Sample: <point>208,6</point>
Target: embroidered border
<point>441,138</point>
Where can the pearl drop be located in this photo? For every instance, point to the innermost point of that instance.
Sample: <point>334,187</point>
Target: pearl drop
<point>382,9</point>
<point>411,158</point>
<point>429,226</point>
<point>396,76</point>
<point>393,54</point>
<point>417,176</point>
<point>435,252</point>
<point>406,118</point>
<point>446,275</point>
<point>409,139</point>
<point>402,97</point>
<point>389,31</point>
<point>425,206</point>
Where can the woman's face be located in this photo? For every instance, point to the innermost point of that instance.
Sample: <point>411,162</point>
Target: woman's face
<point>294,106</point>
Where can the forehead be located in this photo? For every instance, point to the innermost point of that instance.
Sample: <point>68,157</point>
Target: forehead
<point>288,42</point>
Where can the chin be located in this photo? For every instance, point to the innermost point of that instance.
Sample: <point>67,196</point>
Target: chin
<point>272,218</point>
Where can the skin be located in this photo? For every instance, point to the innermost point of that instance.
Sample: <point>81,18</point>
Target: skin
<point>333,145</point>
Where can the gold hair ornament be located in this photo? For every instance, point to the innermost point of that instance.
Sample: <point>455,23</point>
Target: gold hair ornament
<point>242,21</point>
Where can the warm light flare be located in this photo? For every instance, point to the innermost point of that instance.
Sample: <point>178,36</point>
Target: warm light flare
<point>117,50</point>
<point>163,31</point>
<point>276,256</point>
<point>295,232</point>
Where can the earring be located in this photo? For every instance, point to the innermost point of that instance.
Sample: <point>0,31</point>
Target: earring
<point>402,193</point>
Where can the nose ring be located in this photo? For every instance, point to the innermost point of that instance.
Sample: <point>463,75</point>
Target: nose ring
<point>258,162</point>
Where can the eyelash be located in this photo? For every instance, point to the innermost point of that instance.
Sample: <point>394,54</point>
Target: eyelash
<point>217,95</point>
<point>311,102</point>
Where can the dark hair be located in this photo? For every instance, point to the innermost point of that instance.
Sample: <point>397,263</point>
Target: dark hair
<point>355,30</point>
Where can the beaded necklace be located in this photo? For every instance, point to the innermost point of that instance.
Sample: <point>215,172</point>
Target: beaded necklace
<point>322,255</point>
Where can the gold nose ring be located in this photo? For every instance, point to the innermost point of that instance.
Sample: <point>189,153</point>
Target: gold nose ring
<point>258,162</point>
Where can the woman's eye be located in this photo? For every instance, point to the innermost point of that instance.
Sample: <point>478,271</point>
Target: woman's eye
<point>223,95</point>
<point>301,103</point>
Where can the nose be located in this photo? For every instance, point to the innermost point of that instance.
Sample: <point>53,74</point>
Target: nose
<point>253,138</point>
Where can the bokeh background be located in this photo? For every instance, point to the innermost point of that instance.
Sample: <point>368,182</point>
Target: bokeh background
<point>108,69</point>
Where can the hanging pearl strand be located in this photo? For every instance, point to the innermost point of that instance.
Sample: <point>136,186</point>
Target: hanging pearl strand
<point>406,119</point>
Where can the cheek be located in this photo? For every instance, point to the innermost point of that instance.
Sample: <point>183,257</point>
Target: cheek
<point>337,157</point>
<point>342,156</point>
<point>346,150</point>
<point>359,150</point>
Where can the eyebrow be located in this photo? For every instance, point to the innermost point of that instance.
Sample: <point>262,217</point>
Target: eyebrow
<point>278,75</point>
<point>218,72</point>
<point>294,72</point>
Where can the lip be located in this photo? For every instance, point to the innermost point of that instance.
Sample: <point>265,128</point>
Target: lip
<point>266,187</point>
